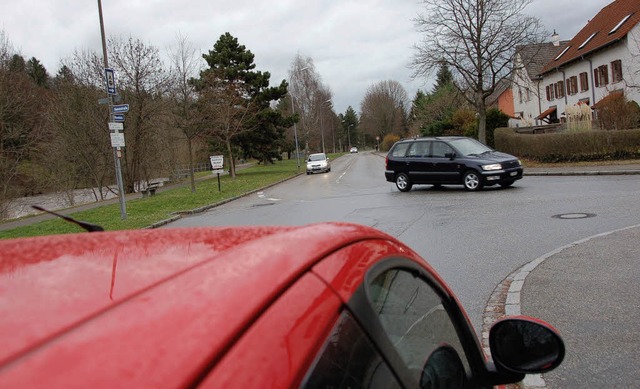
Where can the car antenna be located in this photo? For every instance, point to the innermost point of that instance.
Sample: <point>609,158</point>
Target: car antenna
<point>87,226</point>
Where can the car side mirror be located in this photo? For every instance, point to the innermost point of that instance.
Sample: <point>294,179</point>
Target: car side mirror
<point>525,345</point>
<point>450,155</point>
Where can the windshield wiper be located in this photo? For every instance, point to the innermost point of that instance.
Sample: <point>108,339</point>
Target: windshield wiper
<point>86,225</point>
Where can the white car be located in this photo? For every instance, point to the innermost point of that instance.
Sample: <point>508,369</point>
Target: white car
<point>353,150</point>
<point>318,163</point>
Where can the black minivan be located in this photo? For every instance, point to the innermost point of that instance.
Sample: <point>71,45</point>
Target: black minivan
<point>449,160</point>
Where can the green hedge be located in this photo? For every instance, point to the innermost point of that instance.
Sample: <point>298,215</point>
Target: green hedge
<point>570,146</point>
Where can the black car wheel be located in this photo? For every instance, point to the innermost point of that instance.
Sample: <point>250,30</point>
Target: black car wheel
<point>403,183</point>
<point>472,180</point>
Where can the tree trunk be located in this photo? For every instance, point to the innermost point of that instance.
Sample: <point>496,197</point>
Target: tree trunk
<point>191,173</point>
<point>482,119</point>
<point>232,166</point>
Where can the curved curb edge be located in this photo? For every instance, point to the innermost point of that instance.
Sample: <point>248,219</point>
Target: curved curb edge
<point>505,301</point>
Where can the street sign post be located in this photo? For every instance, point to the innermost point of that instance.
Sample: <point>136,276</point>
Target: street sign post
<point>117,139</point>
<point>111,95</point>
<point>120,108</point>
<point>110,80</point>
<point>116,126</point>
<point>217,161</point>
<point>118,117</point>
<point>217,164</point>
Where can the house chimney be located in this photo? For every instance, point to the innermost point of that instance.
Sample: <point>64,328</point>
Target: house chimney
<point>555,38</point>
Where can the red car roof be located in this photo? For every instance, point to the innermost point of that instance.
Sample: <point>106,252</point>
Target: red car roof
<point>152,306</point>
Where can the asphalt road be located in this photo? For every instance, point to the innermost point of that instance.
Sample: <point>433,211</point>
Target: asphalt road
<point>473,239</point>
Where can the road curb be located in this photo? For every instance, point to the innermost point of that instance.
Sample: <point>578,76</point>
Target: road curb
<point>180,214</point>
<point>505,300</point>
<point>584,173</point>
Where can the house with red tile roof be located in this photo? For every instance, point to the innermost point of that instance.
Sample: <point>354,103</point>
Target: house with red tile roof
<point>559,78</point>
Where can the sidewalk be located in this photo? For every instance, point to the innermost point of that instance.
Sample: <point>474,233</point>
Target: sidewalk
<point>590,291</point>
<point>620,169</point>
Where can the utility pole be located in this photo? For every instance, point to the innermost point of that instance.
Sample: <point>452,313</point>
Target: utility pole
<point>110,86</point>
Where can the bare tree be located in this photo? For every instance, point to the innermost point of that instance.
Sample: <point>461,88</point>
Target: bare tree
<point>476,39</point>
<point>324,116</point>
<point>6,49</point>
<point>305,82</point>
<point>79,153</point>
<point>22,127</point>
<point>144,83</point>
<point>384,110</point>
<point>184,96</point>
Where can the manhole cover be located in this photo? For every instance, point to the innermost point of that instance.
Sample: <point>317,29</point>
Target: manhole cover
<point>574,215</point>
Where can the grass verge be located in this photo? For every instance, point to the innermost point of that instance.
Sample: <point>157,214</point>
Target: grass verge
<point>143,212</point>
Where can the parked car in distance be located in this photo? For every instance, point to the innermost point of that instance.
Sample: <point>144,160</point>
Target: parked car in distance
<point>316,306</point>
<point>353,150</point>
<point>449,160</point>
<point>318,163</point>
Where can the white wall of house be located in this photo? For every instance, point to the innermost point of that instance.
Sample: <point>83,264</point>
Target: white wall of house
<point>526,96</point>
<point>631,68</point>
<point>627,51</point>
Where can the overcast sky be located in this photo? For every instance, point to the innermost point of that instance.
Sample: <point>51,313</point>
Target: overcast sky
<point>353,43</point>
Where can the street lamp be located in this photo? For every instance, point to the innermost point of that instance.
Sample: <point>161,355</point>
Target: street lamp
<point>322,123</point>
<point>295,133</point>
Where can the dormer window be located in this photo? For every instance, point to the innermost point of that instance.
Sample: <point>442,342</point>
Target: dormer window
<point>563,51</point>
<point>587,40</point>
<point>620,24</point>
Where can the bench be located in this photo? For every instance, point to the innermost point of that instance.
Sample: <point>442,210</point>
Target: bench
<point>150,190</point>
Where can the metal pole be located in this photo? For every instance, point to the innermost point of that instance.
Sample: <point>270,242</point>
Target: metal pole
<point>322,107</point>
<point>123,206</point>
<point>295,132</point>
<point>322,129</point>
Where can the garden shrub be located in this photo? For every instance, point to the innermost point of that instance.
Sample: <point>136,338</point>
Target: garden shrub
<point>570,146</point>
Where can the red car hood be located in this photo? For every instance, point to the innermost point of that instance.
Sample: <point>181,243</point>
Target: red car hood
<point>173,298</point>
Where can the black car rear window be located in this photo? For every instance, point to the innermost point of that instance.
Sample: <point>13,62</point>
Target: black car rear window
<point>400,150</point>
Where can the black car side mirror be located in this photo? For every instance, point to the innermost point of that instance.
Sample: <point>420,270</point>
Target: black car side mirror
<point>525,345</point>
<point>450,155</point>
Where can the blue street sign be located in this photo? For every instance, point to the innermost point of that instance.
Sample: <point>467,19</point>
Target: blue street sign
<point>121,108</point>
<point>110,81</point>
<point>118,117</point>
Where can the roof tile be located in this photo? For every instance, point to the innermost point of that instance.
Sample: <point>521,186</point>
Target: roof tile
<point>597,33</point>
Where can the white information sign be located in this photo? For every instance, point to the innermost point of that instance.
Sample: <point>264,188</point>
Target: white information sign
<point>117,139</point>
<point>217,162</point>
<point>116,126</point>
